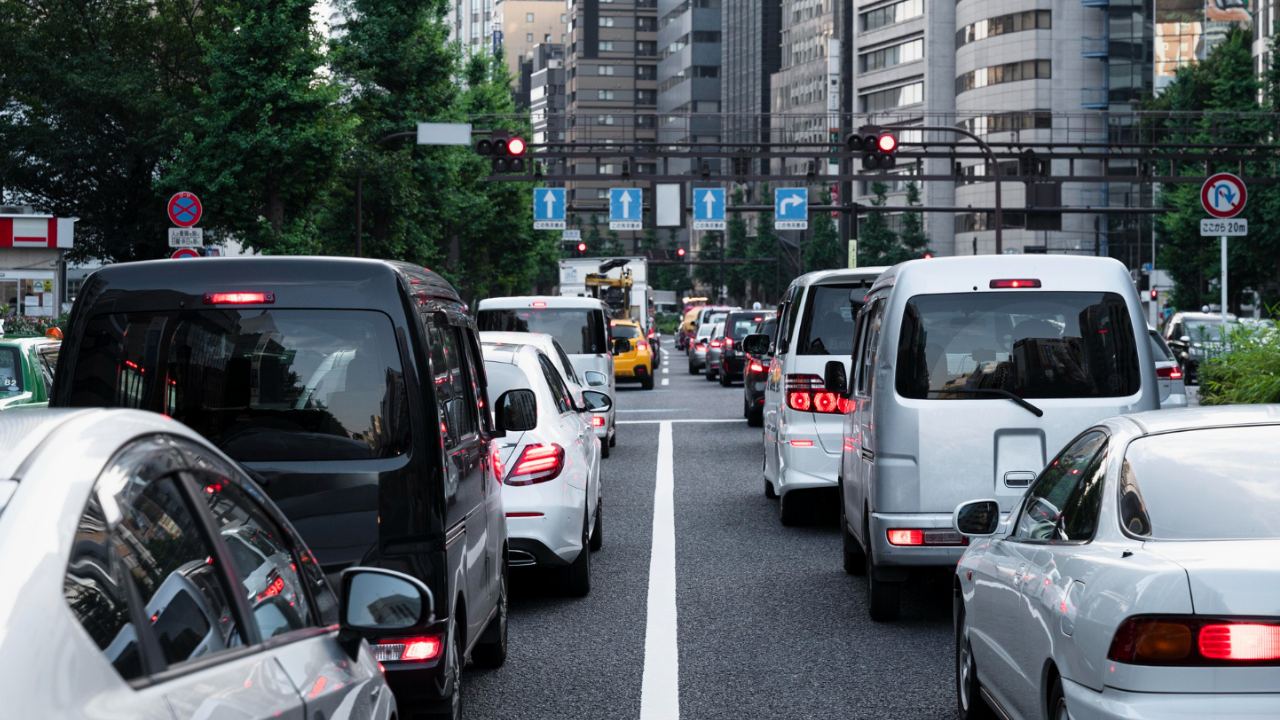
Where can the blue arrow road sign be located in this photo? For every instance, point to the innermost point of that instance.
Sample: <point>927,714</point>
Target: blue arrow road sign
<point>791,208</point>
<point>625,208</point>
<point>708,208</point>
<point>548,208</point>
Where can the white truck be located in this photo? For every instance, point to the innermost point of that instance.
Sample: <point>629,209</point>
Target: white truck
<point>574,283</point>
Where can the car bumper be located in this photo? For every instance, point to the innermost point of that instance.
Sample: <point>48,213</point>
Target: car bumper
<point>806,468</point>
<point>418,683</point>
<point>1113,704</point>
<point>914,555</point>
<point>557,532</point>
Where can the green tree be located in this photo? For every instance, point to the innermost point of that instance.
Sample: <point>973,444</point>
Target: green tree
<point>913,239</point>
<point>268,133</point>
<point>877,244</point>
<point>710,271</point>
<point>764,273</point>
<point>737,276</point>
<point>824,251</point>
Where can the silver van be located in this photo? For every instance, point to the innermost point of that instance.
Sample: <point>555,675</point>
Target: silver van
<point>970,371</point>
<point>801,422</point>
<point>581,326</point>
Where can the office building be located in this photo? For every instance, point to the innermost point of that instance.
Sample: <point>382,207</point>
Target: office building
<point>525,24</point>
<point>470,23</point>
<point>799,88</point>
<point>689,78</point>
<point>547,94</point>
<point>750,52</point>
<point>1266,17</point>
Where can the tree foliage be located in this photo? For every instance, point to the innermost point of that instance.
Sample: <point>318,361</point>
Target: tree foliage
<point>824,251</point>
<point>912,237</point>
<point>877,244</point>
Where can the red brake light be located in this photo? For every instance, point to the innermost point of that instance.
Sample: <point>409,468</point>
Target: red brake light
<point>417,649</point>
<point>538,303</point>
<point>1240,641</point>
<point>756,366</point>
<point>597,421</point>
<point>717,342</point>
<point>799,400</point>
<point>1173,372</point>
<point>239,298</point>
<point>801,443</point>
<point>844,406</point>
<point>824,402</point>
<point>642,345</point>
<point>1014,283</point>
<point>906,537</point>
<point>1191,641</point>
<point>805,393</point>
<point>538,463</point>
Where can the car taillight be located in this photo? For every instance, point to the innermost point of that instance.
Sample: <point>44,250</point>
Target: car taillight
<point>728,342</point>
<point>538,463</point>
<point>1014,283</point>
<point>717,342</point>
<point>756,367</point>
<point>642,345</point>
<point>597,421</point>
<point>1190,640</point>
<point>1173,372</point>
<point>239,298</point>
<point>906,537</point>
<point>419,649</point>
<point>805,394</point>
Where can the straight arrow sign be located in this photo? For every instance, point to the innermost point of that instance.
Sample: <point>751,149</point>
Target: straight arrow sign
<point>625,207</point>
<point>708,209</point>
<point>548,208</point>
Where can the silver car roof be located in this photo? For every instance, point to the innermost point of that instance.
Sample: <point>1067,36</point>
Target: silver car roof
<point>23,430</point>
<point>552,301</point>
<point>1195,418</point>
<point>822,276</point>
<point>974,272</point>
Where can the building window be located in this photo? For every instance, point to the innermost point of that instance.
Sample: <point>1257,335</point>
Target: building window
<point>706,71</point>
<point>1003,24</point>
<point>646,24</point>
<point>606,46</point>
<point>604,69</point>
<point>1006,73</point>
<point>981,221</point>
<point>1008,122</point>
<point>606,95</point>
<point>646,72</point>
<point>893,97</point>
<point>906,52</point>
<point>528,17</point>
<point>891,14</point>
<point>605,120</point>
<point>528,37</point>
<point>706,36</point>
<point>646,97</point>
<point>606,21</point>
<point>646,48</point>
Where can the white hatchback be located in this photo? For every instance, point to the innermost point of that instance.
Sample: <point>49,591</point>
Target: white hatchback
<point>1137,578</point>
<point>551,464</point>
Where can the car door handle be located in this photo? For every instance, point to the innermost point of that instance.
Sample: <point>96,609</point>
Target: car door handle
<point>1022,570</point>
<point>868,455</point>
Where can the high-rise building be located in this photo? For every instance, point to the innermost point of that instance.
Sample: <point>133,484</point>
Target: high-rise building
<point>524,24</point>
<point>1266,17</point>
<point>470,23</point>
<point>546,94</point>
<point>799,102</point>
<point>750,52</point>
<point>689,77</point>
<point>611,80</point>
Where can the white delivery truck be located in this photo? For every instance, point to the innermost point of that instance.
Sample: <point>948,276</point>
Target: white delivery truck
<point>621,283</point>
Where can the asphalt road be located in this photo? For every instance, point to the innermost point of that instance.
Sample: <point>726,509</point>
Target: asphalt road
<point>766,625</point>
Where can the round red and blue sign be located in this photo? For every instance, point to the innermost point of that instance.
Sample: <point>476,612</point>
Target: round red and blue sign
<point>1223,195</point>
<point>185,252</point>
<point>184,209</point>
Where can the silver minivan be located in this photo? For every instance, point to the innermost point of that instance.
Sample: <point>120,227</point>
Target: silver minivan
<point>801,422</point>
<point>969,371</point>
<point>580,325</point>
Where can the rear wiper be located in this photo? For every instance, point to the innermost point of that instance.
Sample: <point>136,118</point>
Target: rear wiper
<point>996,392</point>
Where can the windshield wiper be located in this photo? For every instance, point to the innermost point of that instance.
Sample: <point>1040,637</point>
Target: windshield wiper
<point>996,392</point>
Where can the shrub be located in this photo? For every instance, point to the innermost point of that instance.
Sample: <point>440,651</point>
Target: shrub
<point>1248,373</point>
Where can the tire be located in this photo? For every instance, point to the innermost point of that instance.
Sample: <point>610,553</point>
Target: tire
<point>597,532</point>
<point>577,577</point>
<point>855,560</point>
<point>647,382</point>
<point>604,449</point>
<point>1058,702</point>
<point>450,707</point>
<point>769,492</point>
<point>613,439</point>
<point>746,409</point>
<point>755,417</point>
<point>792,508</point>
<point>969,699</point>
<point>724,380</point>
<point>491,651</point>
<point>693,370</point>
<point>884,599</point>
<point>710,376</point>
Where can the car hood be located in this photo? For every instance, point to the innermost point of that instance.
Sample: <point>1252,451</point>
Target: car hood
<point>1228,577</point>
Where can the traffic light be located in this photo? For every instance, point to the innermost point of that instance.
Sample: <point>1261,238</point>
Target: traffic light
<point>928,255</point>
<point>680,253</point>
<point>879,147</point>
<point>505,150</point>
<point>1155,294</point>
<point>582,249</point>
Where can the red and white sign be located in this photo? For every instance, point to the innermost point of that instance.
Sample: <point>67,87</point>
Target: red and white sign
<point>184,209</point>
<point>36,231</point>
<point>185,252</point>
<point>1223,195</point>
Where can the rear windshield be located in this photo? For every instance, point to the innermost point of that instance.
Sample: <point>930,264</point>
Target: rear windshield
<point>264,385</point>
<point>1033,344</point>
<point>503,377</point>
<point>1159,351</point>
<point>827,326</point>
<point>1213,484</point>
<point>580,331</point>
<point>740,325</point>
<point>626,332</point>
<point>10,372</point>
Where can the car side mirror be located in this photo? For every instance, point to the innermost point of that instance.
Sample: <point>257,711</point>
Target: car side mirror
<point>596,379</point>
<point>517,411</point>
<point>835,379</point>
<point>596,401</point>
<point>1185,339</point>
<point>378,603</point>
<point>756,344</point>
<point>977,518</point>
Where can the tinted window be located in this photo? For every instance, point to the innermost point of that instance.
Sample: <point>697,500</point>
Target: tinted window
<point>265,385</point>
<point>1033,344</point>
<point>565,363</point>
<point>740,325</point>
<point>1063,503</point>
<point>1203,484</point>
<point>580,331</point>
<point>626,332</point>
<point>98,598</point>
<point>457,407</point>
<point>564,403</point>
<point>172,566</point>
<point>1210,330</point>
<point>503,377</point>
<point>870,339</point>
<point>261,559</point>
<point>1159,351</point>
<point>827,328</point>
<point>48,356</point>
<point>769,327</point>
<point>10,372</point>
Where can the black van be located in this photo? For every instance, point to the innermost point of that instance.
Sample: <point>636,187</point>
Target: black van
<point>354,392</point>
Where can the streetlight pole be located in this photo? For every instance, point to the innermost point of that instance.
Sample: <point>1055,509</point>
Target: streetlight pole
<point>360,189</point>
<point>991,158</point>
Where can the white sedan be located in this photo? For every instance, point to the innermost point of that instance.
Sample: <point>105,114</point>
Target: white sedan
<point>1138,578</point>
<point>551,459</point>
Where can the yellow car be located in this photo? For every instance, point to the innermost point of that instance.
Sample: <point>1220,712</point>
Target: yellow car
<point>632,357</point>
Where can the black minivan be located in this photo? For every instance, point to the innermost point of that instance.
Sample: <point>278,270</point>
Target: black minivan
<point>354,392</point>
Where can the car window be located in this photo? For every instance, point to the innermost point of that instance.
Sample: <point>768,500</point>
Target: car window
<point>1037,344</point>
<point>579,330</point>
<point>565,363</point>
<point>48,356</point>
<point>1069,487</point>
<point>10,372</point>
<point>261,558</point>
<point>477,380</point>
<point>1210,484</point>
<point>559,392</point>
<point>626,332</point>
<point>870,348</point>
<point>827,328</point>
<point>1159,350</point>
<point>740,325</point>
<point>457,409</point>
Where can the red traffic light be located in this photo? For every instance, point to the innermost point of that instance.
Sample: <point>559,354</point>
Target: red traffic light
<point>887,143</point>
<point>582,247</point>
<point>1155,294</point>
<point>515,146</point>
<point>928,256</point>
<point>679,252</point>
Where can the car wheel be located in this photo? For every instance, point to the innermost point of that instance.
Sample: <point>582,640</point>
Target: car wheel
<point>755,418</point>
<point>647,382</point>
<point>450,708</point>
<point>769,492</point>
<point>613,439</point>
<point>968,691</point>
<point>692,369</point>
<point>724,379</point>
<point>577,577</point>
<point>1058,702</point>
<point>597,532</point>
<point>604,449</point>
<point>746,409</point>
<point>491,651</point>
<point>883,597</point>
<point>855,561</point>
<point>793,508</point>
<point>710,375</point>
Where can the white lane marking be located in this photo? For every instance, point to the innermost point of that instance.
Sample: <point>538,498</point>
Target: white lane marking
<point>666,381</point>
<point>660,685</point>
<point>683,420</point>
<point>652,410</point>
